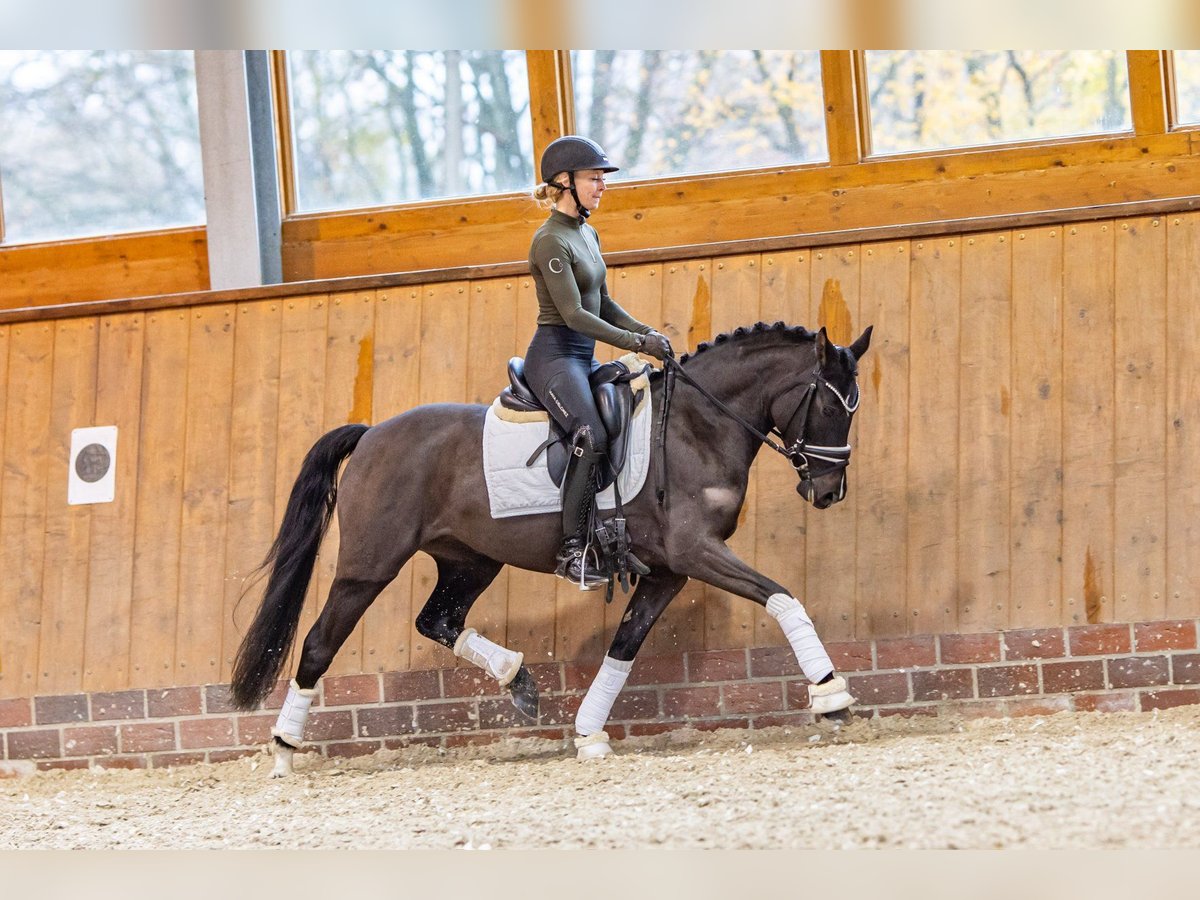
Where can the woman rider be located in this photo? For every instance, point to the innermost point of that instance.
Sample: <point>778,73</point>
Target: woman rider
<point>575,311</point>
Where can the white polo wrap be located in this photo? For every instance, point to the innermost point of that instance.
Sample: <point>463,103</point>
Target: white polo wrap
<point>499,662</point>
<point>600,697</point>
<point>289,727</point>
<point>798,629</point>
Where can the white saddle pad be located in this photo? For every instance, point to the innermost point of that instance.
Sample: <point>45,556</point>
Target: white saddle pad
<point>515,489</point>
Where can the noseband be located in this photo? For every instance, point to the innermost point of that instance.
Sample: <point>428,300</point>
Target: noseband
<point>803,456</point>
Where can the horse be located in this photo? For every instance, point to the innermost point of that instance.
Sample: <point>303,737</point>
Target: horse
<point>416,482</point>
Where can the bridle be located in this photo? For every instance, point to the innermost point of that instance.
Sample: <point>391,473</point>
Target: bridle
<point>804,456</point>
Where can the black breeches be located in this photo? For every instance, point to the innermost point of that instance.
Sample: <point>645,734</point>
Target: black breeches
<point>557,366</point>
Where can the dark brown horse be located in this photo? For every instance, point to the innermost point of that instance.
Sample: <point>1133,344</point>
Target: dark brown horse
<point>416,482</point>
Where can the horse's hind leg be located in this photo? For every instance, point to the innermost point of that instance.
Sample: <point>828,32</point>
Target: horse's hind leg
<point>444,616</point>
<point>645,606</point>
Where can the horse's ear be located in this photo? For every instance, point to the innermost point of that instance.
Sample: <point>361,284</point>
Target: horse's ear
<point>859,347</point>
<point>822,348</point>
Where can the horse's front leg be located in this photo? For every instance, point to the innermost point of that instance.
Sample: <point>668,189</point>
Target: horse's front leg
<point>713,562</point>
<point>653,594</point>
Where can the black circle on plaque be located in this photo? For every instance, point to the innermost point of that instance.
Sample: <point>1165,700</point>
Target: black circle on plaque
<point>92,463</point>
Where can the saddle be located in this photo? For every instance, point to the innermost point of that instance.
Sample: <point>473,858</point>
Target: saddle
<point>615,400</point>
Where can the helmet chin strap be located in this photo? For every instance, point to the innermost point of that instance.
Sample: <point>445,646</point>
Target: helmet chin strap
<point>583,212</point>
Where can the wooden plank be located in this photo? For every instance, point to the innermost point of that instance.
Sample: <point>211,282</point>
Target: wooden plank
<point>387,625</point>
<point>445,317</point>
<point>205,495</point>
<point>879,473</point>
<point>154,607</point>
<point>729,619</point>
<point>1140,434</point>
<point>1088,423</point>
<point>349,393</point>
<point>830,581</point>
<point>844,131</point>
<point>551,105</point>
<point>1147,91</point>
<point>253,436</point>
<point>23,504</point>
<point>933,434</point>
<point>780,512</point>
<point>1036,428</point>
<point>68,528</point>
<point>1183,416</point>
<point>301,417</point>
<point>686,321</point>
<point>985,392</point>
<point>106,664</point>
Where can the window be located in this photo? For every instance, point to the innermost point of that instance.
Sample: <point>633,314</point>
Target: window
<point>1187,87</point>
<point>672,112</point>
<point>371,128</point>
<point>936,99</point>
<point>98,142</point>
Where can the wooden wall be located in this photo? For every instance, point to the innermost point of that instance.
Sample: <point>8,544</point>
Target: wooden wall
<point>1027,451</point>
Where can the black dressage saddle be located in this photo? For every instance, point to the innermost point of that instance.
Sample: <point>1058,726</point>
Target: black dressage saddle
<point>615,400</point>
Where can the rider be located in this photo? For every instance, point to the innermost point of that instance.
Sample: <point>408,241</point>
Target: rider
<point>575,311</point>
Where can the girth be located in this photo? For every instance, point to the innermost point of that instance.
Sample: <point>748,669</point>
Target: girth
<point>615,401</point>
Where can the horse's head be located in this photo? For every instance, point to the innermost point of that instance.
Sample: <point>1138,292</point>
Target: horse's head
<point>817,430</point>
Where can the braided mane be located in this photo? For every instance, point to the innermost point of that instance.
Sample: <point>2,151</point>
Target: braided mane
<point>798,332</point>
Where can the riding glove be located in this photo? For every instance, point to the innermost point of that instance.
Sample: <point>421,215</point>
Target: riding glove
<point>656,345</point>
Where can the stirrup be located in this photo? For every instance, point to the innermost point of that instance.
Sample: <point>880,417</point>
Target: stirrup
<point>572,565</point>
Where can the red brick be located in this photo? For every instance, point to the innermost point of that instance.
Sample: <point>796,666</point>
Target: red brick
<point>648,729</point>
<point>220,756</point>
<point>1069,677</point>
<point>850,656</point>
<point>980,709</point>
<point>381,721</point>
<point>47,765</point>
<point>447,716</point>
<point>218,698</point>
<point>470,681</point>
<point>330,725</point>
<point>1138,671</point>
<point>274,700</point>
<point>89,740</point>
<point>1185,668</point>
<point>542,734</point>
<point>147,738</point>
<point>1125,701</point>
<point>548,676</point>
<point>197,733</point>
<point>15,713</point>
<point>579,676</point>
<point>1179,635</point>
<point>164,760</point>
<point>1034,643</point>
<point>559,710</point>
<point>1169,699</point>
<point>635,705</point>
<point>170,702</point>
<point>1006,681</point>
<point>63,708</point>
<point>420,685</point>
<point>795,694</point>
<point>719,724</point>
<point>875,690</point>
<point>910,712</point>
<point>716,665</point>
<point>799,718</point>
<point>1038,706</point>
<point>350,690</point>
<point>499,713</point>
<point>43,743</point>
<point>692,703</point>
<point>1098,640</point>
<point>352,748</point>
<point>969,648</point>
<point>121,762</point>
<point>254,730</point>
<point>401,743</point>
<point>658,670</point>
<point>119,705</point>
<point>773,662</point>
<point>753,697</point>
<point>944,684</point>
<point>905,653</point>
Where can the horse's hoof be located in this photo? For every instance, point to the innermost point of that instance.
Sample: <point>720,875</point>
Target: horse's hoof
<point>283,761</point>
<point>839,716</point>
<point>594,746</point>
<point>524,693</point>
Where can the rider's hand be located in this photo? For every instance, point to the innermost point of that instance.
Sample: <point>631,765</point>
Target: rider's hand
<point>657,345</point>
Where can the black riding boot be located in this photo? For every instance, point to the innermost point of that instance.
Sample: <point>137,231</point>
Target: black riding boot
<point>575,562</point>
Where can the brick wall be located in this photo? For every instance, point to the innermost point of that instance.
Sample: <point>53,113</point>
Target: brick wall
<point>1107,668</point>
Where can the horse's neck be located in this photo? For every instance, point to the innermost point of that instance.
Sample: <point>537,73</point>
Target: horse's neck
<point>736,446</point>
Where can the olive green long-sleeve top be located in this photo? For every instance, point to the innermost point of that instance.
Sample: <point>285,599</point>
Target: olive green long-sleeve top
<point>569,276</point>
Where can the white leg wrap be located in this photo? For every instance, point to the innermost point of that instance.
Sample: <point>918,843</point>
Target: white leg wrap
<point>289,727</point>
<point>600,697</point>
<point>798,629</point>
<point>499,662</point>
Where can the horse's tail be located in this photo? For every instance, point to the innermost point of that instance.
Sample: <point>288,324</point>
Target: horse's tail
<point>291,558</point>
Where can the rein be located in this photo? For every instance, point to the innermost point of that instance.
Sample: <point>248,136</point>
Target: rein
<point>798,453</point>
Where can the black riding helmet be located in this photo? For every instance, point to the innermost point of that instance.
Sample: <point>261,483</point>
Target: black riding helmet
<point>570,154</point>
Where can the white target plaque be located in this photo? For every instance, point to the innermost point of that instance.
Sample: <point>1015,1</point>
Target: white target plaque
<point>92,475</point>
